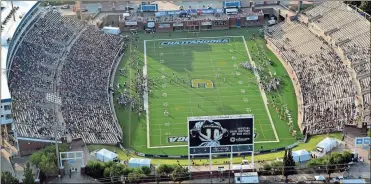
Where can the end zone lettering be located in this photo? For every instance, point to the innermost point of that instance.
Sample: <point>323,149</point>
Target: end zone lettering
<point>177,139</point>
<point>189,42</point>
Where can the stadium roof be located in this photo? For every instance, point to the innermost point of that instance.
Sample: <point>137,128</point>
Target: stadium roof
<point>7,32</point>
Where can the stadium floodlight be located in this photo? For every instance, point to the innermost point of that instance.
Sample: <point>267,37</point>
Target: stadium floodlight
<point>56,100</point>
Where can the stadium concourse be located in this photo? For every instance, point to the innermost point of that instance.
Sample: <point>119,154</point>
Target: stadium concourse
<point>329,51</point>
<point>66,57</point>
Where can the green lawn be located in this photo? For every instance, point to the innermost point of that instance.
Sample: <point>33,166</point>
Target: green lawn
<point>309,146</point>
<point>203,61</point>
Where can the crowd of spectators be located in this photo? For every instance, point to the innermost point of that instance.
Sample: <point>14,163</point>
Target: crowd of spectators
<point>327,88</point>
<point>84,87</point>
<point>329,93</point>
<point>86,56</point>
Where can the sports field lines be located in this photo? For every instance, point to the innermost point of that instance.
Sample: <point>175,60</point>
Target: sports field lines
<point>235,89</point>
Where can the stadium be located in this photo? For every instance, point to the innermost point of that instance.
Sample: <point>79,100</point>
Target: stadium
<point>130,76</point>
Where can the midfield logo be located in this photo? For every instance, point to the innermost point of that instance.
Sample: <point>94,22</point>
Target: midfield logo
<point>177,139</point>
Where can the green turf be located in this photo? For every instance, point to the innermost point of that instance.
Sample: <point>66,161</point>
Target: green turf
<point>203,61</point>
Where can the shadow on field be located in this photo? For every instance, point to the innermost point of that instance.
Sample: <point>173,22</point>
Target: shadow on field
<point>183,53</point>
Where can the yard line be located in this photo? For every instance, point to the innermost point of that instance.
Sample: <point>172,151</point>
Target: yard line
<point>189,91</point>
<point>212,64</point>
<point>261,128</point>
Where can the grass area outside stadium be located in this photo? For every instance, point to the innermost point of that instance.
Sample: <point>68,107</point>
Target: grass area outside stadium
<point>203,61</point>
<point>310,145</point>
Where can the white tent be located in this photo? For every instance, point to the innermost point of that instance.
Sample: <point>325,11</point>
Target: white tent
<point>301,155</point>
<point>248,177</point>
<point>327,144</point>
<point>106,155</point>
<point>358,181</point>
<point>139,162</point>
<point>320,178</point>
<point>111,30</point>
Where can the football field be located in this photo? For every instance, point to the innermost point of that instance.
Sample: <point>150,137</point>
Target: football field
<point>200,76</point>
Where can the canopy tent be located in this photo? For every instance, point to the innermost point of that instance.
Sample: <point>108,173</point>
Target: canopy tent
<point>139,162</point>
<point>106,155</point>
<point>248,177</point>
<point>320,178</point>
<point>327,144</point>
<point>358,181</point>
<point>301,155</point>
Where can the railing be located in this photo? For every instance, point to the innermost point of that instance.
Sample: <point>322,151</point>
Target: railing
<point>110,81</point>
<point>18,30</point>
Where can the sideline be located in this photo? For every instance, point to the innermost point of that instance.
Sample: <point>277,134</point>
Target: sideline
<point>295,82</point>
<point>261,89</point>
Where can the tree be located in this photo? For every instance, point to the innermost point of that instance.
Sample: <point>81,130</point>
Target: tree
<point>35,158</point>
<point>135,176</point>
<point>106,172</point>
<point>8,178</point>
<point>28,176</point>
<point>179,174</point>
<point>127,170</point>
<point>363,5</point>
<point>369,132</point>
<point>366,6</point>
<point>330,167</point>
<point>267,167</point>
<point>46,158</point>
<point>117,170</point>
<point>288,164</point>
<point>347,157</point>
<point>95,169</point>
<point>47,165</point>
<point>165,169</point>
<point>146,170</point>
<point>277,167</point>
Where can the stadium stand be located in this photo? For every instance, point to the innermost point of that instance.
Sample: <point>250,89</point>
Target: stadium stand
<point>54,41</point>
<point>329,93</point>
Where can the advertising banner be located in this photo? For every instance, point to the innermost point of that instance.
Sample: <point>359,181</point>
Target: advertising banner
<point>131,23</point>
<point>160,13</point>
<point>163,25</point>
<point>178,24</point>
<point>362,141</point>
<point>252,18</point>
<point>207,11</point>
<point>151,24</point>
<point>206,23</point>
<point>219,134</point>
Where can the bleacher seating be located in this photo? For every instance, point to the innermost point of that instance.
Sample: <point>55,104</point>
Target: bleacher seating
<point>85,71</point>
<point>327,88</point>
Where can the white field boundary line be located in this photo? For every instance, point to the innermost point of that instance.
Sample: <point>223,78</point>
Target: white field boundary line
<point>145,94</point>
<point>264,96</point>
<point>175,146</point>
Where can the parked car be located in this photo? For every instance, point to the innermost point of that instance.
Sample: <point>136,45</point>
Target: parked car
<point>66,6</point>
<point>84,9</point>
